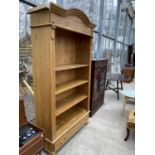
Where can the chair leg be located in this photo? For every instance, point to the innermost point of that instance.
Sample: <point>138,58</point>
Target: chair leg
<point>106,85</point>
<point>121,85</point>
<point>117,91</point>
<point>127,135</point>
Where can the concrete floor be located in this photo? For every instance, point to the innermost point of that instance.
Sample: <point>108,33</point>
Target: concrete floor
<point>105,132</point>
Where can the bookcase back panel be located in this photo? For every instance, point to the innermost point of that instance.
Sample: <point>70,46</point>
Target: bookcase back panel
<point>65,76</point>
<point>83,49</point>
<point>68,118</point>
<point>65,94</point>
<point>65,47</point>
<point>83,89</point>
<point>69,75</point>
<point>84,104</point>
<point>71,48</point>
<point>82,73</point>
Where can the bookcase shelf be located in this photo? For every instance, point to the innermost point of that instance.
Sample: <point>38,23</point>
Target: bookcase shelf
<point>69,102</point>
<point>68,119</point>
<point>61,49</point>
<point>70,66</point>
<point>69,85</point>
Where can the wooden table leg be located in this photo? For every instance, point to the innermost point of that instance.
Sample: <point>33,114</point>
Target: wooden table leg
<point>127,135</point>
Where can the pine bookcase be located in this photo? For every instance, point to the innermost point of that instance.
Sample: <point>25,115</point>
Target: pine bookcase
<point>61,57</point>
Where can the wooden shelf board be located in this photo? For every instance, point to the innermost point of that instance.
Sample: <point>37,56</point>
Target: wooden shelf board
<point>70,66</point>
<point>69,85</point>
<point>69,102</point>
<point>69,119</point>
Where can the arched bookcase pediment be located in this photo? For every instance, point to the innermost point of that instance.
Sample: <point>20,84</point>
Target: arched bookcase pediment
<point>70,19</point>
<point>72,11</point>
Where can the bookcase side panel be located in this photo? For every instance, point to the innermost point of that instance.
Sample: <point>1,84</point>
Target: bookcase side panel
<point>43,74</point>
<point>40,18</point>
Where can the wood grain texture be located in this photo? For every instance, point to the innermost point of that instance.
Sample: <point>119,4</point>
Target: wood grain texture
<point>68,119</point>
<point>71,23</point>
<point>69,85</point>
<point>98,81</point>
<point>78,13</point>
<point>68,103</point>
<point>42,66</point>
<point>61,53</point>
<point>73,129</point>
<point>22,116</point>
<point>70,66</point>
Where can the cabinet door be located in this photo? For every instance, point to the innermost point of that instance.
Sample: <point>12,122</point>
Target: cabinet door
<point>96,104</point>
<point>99,79</point>
<point>103,74</point>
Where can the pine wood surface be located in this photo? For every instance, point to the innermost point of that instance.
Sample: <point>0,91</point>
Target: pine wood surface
<point>131,119</point>
<point>68,102</point>
<point>70,66</point>
<point>61,58</point>
<point>69,85</point>
<point>68,119</point>
<point>73,129</point>
<point>42,66</point>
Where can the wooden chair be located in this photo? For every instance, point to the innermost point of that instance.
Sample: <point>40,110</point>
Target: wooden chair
<point>130,123</point>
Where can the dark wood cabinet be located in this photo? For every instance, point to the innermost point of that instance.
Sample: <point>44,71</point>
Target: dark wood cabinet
<point>98,80</point>
<point>31,137</point>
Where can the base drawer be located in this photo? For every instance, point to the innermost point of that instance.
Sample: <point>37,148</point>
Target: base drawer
<point>70,133</point>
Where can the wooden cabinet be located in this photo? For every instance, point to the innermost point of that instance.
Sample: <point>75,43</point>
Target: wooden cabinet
<point>61,51</point>
<point>128,72</point>
<point>98,80</point>
<point>31,138</point>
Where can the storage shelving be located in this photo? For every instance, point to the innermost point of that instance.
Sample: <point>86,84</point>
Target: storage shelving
<point>69,102</point>
<point>67,120</point>
<point>69,85</point>
<point>61,50</point>
<point>70,66</point>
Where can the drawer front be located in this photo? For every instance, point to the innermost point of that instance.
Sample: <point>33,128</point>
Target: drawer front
<point>70,133</point>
